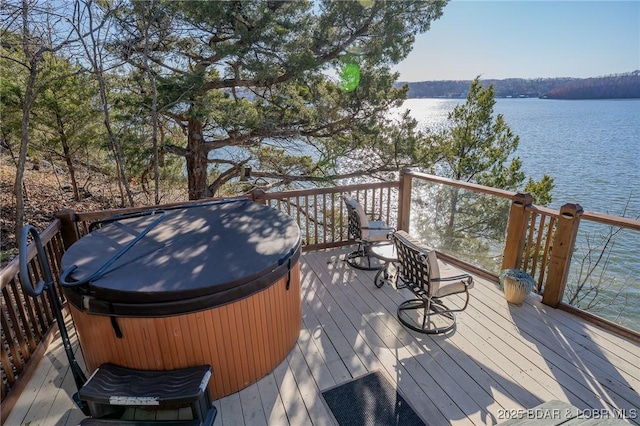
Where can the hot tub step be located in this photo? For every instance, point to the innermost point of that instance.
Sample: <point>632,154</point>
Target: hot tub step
<point>112,388</point>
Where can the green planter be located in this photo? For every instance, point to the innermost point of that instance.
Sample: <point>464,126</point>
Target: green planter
<point>516,284</point>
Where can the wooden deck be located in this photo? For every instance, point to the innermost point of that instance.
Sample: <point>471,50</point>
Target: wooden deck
<point>501,359</point>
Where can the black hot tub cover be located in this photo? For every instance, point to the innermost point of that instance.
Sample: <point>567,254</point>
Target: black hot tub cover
<point>194,258</point>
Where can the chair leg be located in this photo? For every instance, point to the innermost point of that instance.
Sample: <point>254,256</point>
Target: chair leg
<point>363,259</point>
<point>387,274</point>
<point>426,315</point>
<point>436,316</point>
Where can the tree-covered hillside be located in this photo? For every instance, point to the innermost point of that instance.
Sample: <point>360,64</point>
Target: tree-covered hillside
<point>618,86</point>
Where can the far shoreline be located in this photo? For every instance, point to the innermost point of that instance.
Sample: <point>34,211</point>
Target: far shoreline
<point>617,86</point>
<point>530,97</point>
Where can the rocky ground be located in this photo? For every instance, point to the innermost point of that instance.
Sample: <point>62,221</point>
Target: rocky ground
<point>48,190</point>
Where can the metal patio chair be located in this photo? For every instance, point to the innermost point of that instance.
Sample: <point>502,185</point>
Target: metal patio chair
<point>366,230</point>
<point>418,271</point>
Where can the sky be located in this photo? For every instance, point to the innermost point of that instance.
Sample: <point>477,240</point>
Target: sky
<point>527,39</point>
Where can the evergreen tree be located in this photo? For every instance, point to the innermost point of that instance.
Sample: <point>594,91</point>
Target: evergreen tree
<point>67,118</point>
<point>288,88</point>
<point>477,147</point>
<point>13,76</point>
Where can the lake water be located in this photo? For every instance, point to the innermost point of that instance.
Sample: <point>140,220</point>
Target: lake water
<point>592,150</point>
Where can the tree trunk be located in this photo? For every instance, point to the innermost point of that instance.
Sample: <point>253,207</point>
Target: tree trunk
<point>96,61</point>
<point>67,158</point>
<point>154,109</point>
<point>29,98</point>
<point>196,161</point>
<point>115,145</point>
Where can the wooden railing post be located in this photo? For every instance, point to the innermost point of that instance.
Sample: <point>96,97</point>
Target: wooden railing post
<point>404,200</point>
<point>69,230</point>
<point>257,195</point>
<point>516,231</point>
<point>561,251</point>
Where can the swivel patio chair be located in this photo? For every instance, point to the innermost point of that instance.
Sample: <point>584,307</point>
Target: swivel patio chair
<point>366,232</point>
<point>420,273</point>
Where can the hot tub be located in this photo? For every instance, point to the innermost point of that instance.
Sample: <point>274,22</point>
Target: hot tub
<point>214,283</point>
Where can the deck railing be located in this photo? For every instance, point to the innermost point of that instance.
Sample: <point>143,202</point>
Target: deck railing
<point>465,222</point>
<point>603,238</point>
<point>321,214</point>
<point>27,322</point>
<point>538,240</point>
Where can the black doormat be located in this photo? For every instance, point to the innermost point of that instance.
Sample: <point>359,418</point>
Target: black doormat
<point>370,400</point>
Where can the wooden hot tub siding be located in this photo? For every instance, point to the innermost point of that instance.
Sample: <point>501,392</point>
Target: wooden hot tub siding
<point>243,341</point>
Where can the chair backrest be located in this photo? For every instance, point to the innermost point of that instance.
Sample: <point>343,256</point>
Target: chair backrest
<point>434,269</point>
<point>358,222</point>
<point>418,264</point>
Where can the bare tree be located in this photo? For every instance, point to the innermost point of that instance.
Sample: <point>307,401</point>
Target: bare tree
<point>146,31</point>
<point>90,31</point>
<point>40,34</point>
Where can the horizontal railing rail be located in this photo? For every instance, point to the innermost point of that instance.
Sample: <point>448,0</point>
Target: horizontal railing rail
<point>27,322</point>
<point>606,219</point>
<point>460,184</point>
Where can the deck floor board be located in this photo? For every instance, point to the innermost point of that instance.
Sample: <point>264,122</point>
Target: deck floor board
<point>500,357</point>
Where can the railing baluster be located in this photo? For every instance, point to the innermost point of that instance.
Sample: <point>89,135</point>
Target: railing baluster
<point>40,303</point>
<point>33,317</point>
<point>10,335</point>
<point>343,235</point>
<point>20,304</point>
<point>367,208</point>
<point>18,325</point>
<point>7,365</point>
<point>536,251</point>
<point>387,219</point>
<point>315,218</point>
<point>547,248</point>
<point>531,231</point>
<point>332,217</point>
<point>298,211</point>
<point>324,218</point>
<point>373,201</point>
<point>306,217</point>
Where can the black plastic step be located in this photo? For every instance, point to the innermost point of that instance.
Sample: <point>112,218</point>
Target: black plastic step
<point>115,385</point>
<point>112,388</point>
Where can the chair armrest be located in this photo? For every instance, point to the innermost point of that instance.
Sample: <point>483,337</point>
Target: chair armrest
<point>379,228</point>
<point>461,277</point>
